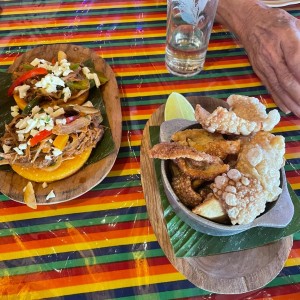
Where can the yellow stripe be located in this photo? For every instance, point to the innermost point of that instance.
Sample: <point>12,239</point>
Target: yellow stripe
<point>125,172</point>
<point>72,210</point>
<point>292,155</point>
<point>131,143</point>
<point>295,186</point>
<point>222,47</point>
<point>224,66</point>
<point>286,128</point>
<point>136,117</point>
<point>99,286</point>
<point>85,245</point>
<point>292,262</point>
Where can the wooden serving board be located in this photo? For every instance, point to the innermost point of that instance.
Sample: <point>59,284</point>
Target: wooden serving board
<point>11,184</point>
<point>230,273</point>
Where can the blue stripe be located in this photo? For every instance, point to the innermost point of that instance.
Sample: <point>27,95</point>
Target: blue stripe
<point>73,255</point>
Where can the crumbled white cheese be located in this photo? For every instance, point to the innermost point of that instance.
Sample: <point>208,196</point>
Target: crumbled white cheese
<point>61,121</point>
<point>48,157</point>
<point>34,124</point>
<point>50,83</point>
<point>20,152</point>
<point>91,76</point>
<point>22,89</point>
<point>56,152</point>
<point>50,195</point>
<point>14,108</point>
<point>36,61</point>
<point>67,93</point>
<point>21,137</point>
<point>33,132</point>
<point>14,113</point>
<point>86,70</point>
<point>35,110</point>
<point>62,68</point>
<point>96,79</point>
<point>48,110</point>
<point>41,63</point>
<point>22,123</point>
<point>22,146</point>
<point>6,148</point>
<point>58,112</point>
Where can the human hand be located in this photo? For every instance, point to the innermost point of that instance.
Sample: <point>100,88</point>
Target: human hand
<point>272,41</point>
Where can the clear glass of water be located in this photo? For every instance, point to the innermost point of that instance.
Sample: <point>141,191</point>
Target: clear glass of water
<point>189,26</point>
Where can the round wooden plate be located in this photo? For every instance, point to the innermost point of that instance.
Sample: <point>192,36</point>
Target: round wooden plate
<point>230,273</point>
<point>11,184</point>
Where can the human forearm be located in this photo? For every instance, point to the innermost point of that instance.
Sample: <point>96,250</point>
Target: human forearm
<point>234,14</point>
<point>271,38</point>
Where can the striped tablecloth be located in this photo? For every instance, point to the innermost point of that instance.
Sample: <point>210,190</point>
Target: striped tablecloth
<point>101,245</point>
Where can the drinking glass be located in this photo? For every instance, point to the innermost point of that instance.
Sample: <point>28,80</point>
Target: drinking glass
<point>189,26</point>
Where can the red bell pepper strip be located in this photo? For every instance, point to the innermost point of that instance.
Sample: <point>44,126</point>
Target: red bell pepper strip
<point>39,137</point>
<point>25,76</point>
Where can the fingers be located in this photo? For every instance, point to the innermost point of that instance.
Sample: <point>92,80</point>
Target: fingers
<point>283,100</point>
<point>280,82</point>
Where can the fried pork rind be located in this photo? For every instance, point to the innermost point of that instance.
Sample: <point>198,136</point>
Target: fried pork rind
<point>211,143</point>
<point>241,196</point>
<point>183,188</point>
<point>261,157</point>
<point>201,170</point>
<point>175,150</point>
<point>246,115</point>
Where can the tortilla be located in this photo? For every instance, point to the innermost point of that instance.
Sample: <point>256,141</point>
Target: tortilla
<point>66,169</point>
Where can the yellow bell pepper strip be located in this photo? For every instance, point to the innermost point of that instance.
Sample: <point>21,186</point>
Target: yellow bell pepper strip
<point>29,74</point>
<point>39,137</point>
<point>60,141</point>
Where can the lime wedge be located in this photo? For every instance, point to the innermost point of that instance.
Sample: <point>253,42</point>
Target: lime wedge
<point>178,107</point>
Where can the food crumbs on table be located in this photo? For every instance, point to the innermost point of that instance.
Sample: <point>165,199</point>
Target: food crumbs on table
<point>50,195</point>
<point>29,196</point>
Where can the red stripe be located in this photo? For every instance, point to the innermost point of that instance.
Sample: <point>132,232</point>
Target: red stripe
<point>293,173</point>
<point>125,160</point>
<point>292,144</point>
<point>296,244</point>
